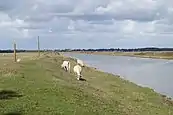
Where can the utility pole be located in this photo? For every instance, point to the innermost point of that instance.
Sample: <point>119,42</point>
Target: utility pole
<point>14,45</point>
<point>38,46</point>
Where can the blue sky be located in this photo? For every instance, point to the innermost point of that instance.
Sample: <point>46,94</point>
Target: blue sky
<point>86,23</point>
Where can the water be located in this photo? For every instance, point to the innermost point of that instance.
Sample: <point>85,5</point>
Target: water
<point>154,73</point>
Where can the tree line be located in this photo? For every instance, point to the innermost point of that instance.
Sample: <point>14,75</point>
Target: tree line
<point>122,50</point>
<point>110,49</point>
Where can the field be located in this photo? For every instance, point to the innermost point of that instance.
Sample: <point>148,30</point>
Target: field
<point>156,55</point>
<point>38,86</point>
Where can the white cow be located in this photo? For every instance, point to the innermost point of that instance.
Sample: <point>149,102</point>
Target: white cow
<point>80,62</point>
<point>66,65</point>
<point>77,70</point>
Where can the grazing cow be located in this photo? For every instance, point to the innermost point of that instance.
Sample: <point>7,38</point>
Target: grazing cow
<point>66,65</point>
<point>80,62</point>
<point>77,70</point>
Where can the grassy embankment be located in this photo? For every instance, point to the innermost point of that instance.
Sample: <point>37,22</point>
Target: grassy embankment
<point>155,55</point>
<point>40,87</point>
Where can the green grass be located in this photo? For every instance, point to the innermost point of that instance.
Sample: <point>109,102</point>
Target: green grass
<point>38,86</point>
<point>156,55</point>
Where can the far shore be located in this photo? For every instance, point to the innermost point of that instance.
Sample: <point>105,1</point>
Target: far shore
<point>149,54</point>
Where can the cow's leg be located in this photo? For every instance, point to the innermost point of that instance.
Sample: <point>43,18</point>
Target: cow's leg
<point>78,77</point>
<point>65,68</point>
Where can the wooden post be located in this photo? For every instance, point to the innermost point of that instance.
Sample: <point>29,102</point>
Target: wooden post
<point>15,58</point>
<point>38,46</point>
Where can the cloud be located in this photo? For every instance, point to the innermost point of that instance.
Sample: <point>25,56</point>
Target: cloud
<point>87,23</point>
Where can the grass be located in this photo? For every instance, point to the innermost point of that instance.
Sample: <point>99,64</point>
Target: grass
<point>38,86</point>
<point>155,55</point>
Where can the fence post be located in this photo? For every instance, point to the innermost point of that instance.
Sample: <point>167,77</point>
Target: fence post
<point>38,41</point>
<point>14,45</point>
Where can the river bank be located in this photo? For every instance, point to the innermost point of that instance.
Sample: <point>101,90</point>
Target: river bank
<point>154,55</point>
<point>40,86</point>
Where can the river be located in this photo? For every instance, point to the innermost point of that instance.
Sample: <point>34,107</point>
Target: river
<point>154,73</point>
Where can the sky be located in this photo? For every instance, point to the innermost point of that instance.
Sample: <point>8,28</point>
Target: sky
<point>74,24</point>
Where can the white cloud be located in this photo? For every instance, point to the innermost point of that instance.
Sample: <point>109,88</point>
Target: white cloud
<point>93,23</point>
